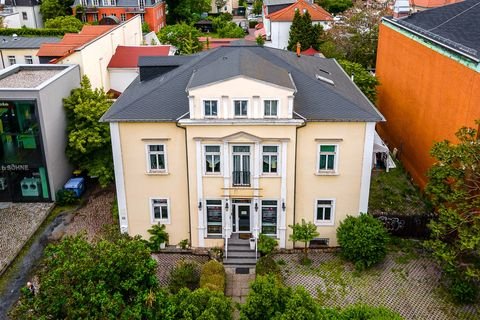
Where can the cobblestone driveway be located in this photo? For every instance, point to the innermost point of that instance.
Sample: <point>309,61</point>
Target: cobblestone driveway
<point>18,222</point>
<point>408,287</point>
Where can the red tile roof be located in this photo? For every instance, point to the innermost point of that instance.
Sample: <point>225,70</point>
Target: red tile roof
<point>286,14</point>
<point>310,52</point>
<point>432,3</point>
<point>72,41</point>
<point>127,57</point>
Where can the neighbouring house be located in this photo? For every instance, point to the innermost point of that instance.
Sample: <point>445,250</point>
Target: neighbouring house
<point>277,23</point>
<point>21,13</point>
<point>153,12</point>
<point>33,165</point>
<point>428,65</point>
<point>421,5</point>
<point>241,140</point>
<point>228,7</point>
<point>92,48</point>
<point>21,50</point>
<point>123,66</point>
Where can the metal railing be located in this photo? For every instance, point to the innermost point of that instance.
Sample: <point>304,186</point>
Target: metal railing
<point>241,178</point>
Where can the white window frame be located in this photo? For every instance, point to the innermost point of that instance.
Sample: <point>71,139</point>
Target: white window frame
<point>233,107</point>
<point>330,222</point>
<point>123,17</point>
<point>104,15</point>
<point>24,15</point>
<point>95,3</point>
<point>12,58</point>
<point>203,108</point>
<point>28,59</point>
<point>278,154</point>
<point>152,214</point>
<point>335,163</point>
<point>147,153</point>
<point>206,217</point>
<point>278,216</point>
<point>204,157</point>
<point>95,17</point>
<point>263,107</point>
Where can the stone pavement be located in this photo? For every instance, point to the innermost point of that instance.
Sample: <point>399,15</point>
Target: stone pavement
<point>18,222</point>
<point>238,285</point>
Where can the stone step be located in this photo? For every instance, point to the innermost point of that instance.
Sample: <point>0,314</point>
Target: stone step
<point>240,261</point>
<point>241,254</point>
<point>239,248</point>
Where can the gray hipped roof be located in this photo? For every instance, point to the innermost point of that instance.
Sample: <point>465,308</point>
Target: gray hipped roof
<point>239,62</point>
<point>164,98</point>
<point>8,42</point>
<point>455,26</point>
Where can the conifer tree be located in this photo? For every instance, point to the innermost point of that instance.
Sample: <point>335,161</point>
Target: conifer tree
<point>304,32</point>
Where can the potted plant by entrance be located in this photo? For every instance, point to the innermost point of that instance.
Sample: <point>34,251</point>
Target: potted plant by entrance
<point>159,237</point>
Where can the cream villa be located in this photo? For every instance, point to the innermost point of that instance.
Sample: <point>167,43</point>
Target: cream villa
<point>241,140</point>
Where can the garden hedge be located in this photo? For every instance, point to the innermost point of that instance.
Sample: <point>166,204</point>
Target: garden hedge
<point>213,276</point>
<point>33,32</point>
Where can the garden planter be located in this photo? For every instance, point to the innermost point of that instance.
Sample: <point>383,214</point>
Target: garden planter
<point>162,245</point>
<point>252,243</point>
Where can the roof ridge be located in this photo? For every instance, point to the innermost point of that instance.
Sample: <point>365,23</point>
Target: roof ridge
<point>454,17</point>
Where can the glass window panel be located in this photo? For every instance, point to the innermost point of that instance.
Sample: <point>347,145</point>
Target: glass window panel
<point>214,216</point>
<point>330,162</point>
<point>156,147</point>
<point>273,111</point>
<point>270,148</point>
<point>212,148</point>
<point>319,213</point>
<point>153,161</point>
<point>266,163</point>
<point>326,148</point>
<point>327,213</point>
<point>156,212</point>
<point>324,202</point>
<point>273,167</point>
<point>323,161</point>
<point>241,149</point>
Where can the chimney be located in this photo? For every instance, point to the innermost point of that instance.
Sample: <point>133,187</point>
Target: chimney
<point>299,46</point>
<point>401,9</point>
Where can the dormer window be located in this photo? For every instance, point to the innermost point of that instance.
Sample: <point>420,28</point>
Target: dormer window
<point>210,108</point>
<point>270,108</point>
<point>241,108</point>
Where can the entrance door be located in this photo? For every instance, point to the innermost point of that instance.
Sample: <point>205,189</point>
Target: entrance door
<point>243,218</point>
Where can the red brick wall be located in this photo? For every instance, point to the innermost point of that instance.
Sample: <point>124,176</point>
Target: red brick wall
<point>425,97</point>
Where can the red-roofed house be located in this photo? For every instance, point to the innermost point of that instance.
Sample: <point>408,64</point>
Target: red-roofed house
<point>123,67</point>
<point>277,24</point>
<point>92,48</point>
<point>420,5</point>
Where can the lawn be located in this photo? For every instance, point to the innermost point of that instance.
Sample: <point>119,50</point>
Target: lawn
<point>407,282</point>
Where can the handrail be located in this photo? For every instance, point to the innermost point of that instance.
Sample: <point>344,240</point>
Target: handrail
<point>226,247</point>
<point>256,248</point>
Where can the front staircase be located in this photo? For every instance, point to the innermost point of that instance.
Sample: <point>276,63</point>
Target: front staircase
<point>239,254</point>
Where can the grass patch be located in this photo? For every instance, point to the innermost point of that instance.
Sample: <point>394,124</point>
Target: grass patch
<point>211,35</point>
<point>393,192</point>
<point>12,270</point>
<point>405,250</point>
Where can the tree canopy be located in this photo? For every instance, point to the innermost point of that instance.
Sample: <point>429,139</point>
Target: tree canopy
<point>365,81</point>
<point>88,145</point>
<point>454,188</point>
<point>51,9</point>
<point>69,23</point>
<point>183,36</point>
<point>304,32</point>
<point>186,10</point>
<point>335,6</point>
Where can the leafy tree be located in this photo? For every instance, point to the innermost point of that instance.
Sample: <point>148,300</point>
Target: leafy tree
<point>186,10</point>
<point>231,30</point>
<point>145,27</point>
<point>257,6</point>
<point>88,146</point>
<point>363,79</point>
<point>51,9</point>
<point>202,304</point>
<point>183,36</point>
<point>266,244</point>
<point>363,240</point>
<point>335,6</point>
<point>304,32</point>
<point>260,40</point>
<point>304,232</point>
<point>69,23</point>
<point>454,188</point>
<point>81,280</point>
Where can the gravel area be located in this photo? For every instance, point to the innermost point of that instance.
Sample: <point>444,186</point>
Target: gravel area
<point>167,261</point>
<point>410,287</point>
<point>18,222</point>
<point>27,78</point>
<point>92,217</point>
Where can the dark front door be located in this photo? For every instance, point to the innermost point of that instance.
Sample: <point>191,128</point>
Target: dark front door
<point>243,218</point>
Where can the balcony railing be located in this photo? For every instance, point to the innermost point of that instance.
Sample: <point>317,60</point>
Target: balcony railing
<point>241,178</point>
<point>136,10</point>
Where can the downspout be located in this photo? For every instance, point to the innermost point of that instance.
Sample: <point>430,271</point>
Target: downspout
<point>3,62</point>
<point>296,169</point>
<point>188,183</point>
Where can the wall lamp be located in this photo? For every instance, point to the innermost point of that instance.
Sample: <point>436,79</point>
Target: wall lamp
<point>226,205</point>
<point>283,206</point>
<point>199,205</point>
<point>256,206</point>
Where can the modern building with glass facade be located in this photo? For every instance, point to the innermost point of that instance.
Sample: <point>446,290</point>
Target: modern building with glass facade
<point>33,165</point>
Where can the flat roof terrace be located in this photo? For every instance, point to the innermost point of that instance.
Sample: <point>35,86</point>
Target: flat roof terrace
<point>27,77</point>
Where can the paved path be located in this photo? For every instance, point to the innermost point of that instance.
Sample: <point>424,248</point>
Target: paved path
<point>238,285</point>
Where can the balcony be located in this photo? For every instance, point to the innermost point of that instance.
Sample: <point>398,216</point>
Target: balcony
<point>136,10</point>
<point>241,178</point>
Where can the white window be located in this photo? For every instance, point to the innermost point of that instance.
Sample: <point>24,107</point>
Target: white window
<point>142,17</point>
<point>241,108</point>
<point>270,108</point>
<point>113,3</point>
<point>212,159</point>
<point>123,17</point>
<point>270,159</point>
<point>95,3</point>
<point>104,15</point>
<point>160,210</point>
<point>157,161</point>
<point>95,17</point>
<point>12,60</point>
<point>214,217</point>
<point>324,211</point>
<point>327,158</point>
<point>24,15</point>
<point>210,108</point>
<point>269,217</point>
<point>28,60</point>
<point>84,18</point>
<point>84,3</point>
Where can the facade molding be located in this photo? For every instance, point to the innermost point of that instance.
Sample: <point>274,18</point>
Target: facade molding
<point>119,176</point>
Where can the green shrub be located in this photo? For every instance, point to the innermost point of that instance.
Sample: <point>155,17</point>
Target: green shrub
<point>363,240</point>
<point>213,276</point>
<point>184,275</point>
<point>361,311</point>
<point>69,23</point>
<point>145,28</point>
<point>184,244</point>
<point>266,244</point>
<point>230,30</point>
<point>266,265</point>
<point>65,197</point>
<point>158,236</point>
<point>201,304</point>
<point>462,290</point>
